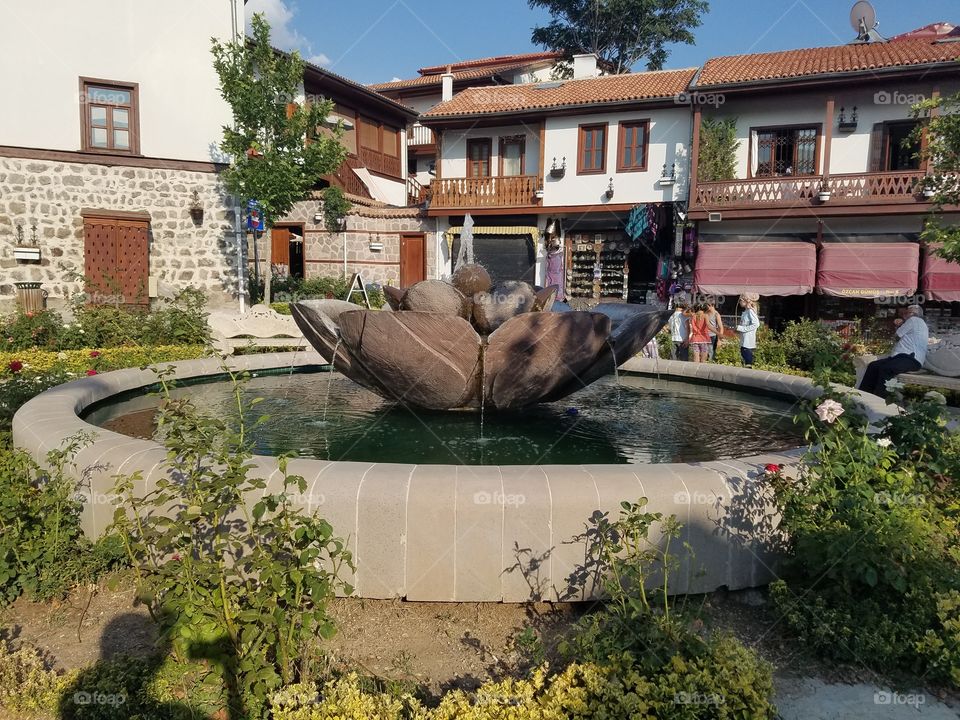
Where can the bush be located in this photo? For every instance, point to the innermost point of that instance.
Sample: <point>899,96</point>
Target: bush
<point>178,320</point>
<point>813,347</point>
<point>43,552</point>
<point>27,684</point>
<point>248,596</point>
<point>874,542</point>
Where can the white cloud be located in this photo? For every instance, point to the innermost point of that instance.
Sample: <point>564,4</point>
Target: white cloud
<point>283,34</point>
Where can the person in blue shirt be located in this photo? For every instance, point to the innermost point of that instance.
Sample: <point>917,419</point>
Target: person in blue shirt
<point>748,326</point>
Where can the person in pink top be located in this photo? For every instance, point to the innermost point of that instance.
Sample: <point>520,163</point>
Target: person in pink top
<point>700,344</point>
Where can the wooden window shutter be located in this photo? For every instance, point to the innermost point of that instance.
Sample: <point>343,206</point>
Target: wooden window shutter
<point>280,246</point>
<point>878,144</point>
<point>116,261</point>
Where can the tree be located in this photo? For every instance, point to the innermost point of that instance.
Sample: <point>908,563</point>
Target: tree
<point>619,32</point>
<point>942,150</point>
<point>718,150</point>
<point>277,155</point>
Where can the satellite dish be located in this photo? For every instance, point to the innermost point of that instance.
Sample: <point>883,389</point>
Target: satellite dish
<point>863,19</point>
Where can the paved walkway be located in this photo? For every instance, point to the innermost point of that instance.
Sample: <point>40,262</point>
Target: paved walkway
<point>809,699</point>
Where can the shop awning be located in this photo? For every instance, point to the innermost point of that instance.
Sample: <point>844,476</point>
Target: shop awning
<point>940,281</point>
<point>766,268</point>
<point>868,270</point>
<point>533,231</point>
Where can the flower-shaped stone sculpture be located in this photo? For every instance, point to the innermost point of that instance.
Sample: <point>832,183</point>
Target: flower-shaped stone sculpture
<point>501,347</point>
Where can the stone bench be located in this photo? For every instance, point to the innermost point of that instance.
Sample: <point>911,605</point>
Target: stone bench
<point>928,379</point>
<point>260,327</point>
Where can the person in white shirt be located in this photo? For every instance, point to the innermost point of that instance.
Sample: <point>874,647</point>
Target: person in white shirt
<point>680,332</point>
<point>908,354</point>
<point>748,326</point>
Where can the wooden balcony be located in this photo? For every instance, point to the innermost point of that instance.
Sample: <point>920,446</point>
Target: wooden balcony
<point>783,193</point>
<point>347,180</point>
<point>484,192</point>
<point>420,136</point>
<point>379,162</point>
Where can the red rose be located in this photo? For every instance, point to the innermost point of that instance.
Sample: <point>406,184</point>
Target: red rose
<point>94,353</point>
<point>772,467</point>
<point>15,366</point>
<point>91,371</point>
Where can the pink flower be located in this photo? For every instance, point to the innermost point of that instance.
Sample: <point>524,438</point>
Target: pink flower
<point>15,366</point>
<point>94,353</point>
<point>91,372</point>
<point>177,556</point>
<point>829,410</point>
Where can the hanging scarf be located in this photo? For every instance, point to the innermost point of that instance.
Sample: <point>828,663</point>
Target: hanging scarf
<point>637,222</point>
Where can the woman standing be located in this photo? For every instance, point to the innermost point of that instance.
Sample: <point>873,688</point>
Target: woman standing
<point>680,332</point>
<point>749,324</point>
<point>700,334</point>
<point>715,320</point>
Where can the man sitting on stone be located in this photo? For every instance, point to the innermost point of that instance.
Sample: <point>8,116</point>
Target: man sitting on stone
<point>908,354</point>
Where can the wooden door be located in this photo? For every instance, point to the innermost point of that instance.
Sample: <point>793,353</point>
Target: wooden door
<point>413,259</point>
<point>116,261</point>
<point>280,246</point>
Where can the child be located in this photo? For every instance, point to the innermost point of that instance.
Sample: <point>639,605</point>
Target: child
<point>700,334</point>
<point>680,332</point>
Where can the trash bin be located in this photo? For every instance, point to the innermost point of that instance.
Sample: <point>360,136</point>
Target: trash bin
<point>31,297</point>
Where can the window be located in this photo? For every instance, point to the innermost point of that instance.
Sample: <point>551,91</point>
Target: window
<point>786,151</point>
<point>369,134</point>
<point>109,121</point>
<point>896,150</point>
<point>512,151</point>
<point>632,154</point>
<point>592,154</point>
<point>478,157</point>
<point>391,141</point>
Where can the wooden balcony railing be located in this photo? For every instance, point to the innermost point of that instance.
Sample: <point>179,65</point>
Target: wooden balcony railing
<point>515,191</point>
<point>347,180</point>
<point>420,135</point>
<point>380,163</point>
<point>856,188</point>
<point>417,192</point>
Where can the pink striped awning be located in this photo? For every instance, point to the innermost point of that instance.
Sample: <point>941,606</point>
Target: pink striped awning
<point>940,281</point>
<point>868,270</point>
<point>765,268</point>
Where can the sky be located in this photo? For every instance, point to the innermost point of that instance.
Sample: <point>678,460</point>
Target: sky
<point>380,40</point>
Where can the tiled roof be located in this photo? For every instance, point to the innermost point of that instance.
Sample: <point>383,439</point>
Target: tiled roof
<point>792,64</point>
<point>491,62</point>
<point>608,89</point>
<point>482,69</point>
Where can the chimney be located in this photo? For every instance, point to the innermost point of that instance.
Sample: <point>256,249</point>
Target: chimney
<point>584,66</point>
<point>446,86</point>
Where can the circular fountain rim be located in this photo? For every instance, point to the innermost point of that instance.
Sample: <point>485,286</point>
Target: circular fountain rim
<point>406,520</point>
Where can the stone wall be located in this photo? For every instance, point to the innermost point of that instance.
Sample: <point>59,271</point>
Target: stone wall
<point>52,194</point>
<point>323,251</point>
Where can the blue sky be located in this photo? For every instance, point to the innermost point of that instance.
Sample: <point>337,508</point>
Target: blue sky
<point>379,40</point>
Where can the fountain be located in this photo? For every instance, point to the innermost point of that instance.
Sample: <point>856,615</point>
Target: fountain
<point>469,344</point>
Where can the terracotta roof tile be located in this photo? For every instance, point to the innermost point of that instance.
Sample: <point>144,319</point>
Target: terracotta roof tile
<point>604,90</point>
<point>492,62</point>
<point>791,64</point>
<point>426,81</point>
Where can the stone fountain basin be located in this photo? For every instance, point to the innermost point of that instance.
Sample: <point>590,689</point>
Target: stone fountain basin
<point>465,533</point>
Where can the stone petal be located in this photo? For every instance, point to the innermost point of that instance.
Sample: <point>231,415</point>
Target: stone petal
<point>318,320</point>
<point>535,354</point>
<point>421,359</point>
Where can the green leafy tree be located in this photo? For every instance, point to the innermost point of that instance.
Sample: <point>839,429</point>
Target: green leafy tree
<point>277,155</point>
<point>943,151</point>
<point>620,32</point>
<point>718,150</point>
